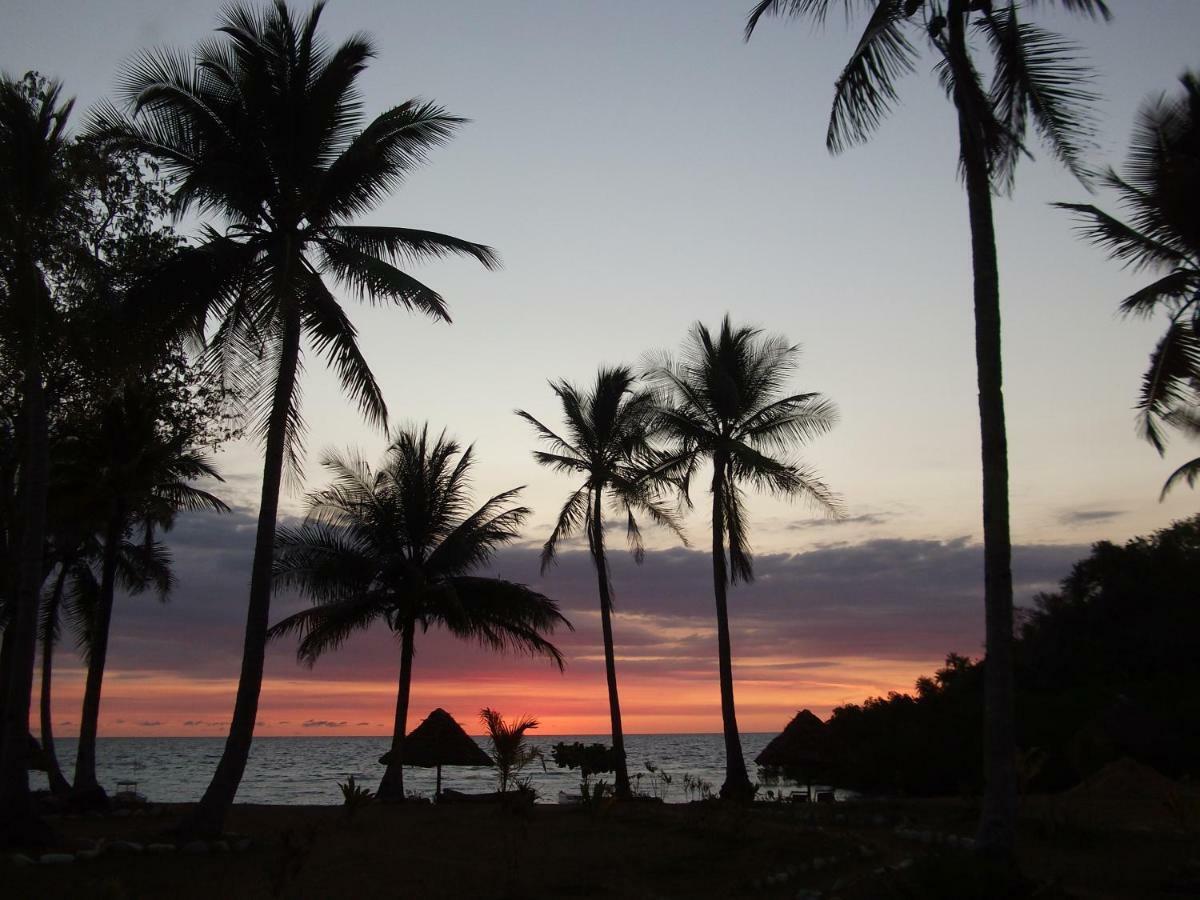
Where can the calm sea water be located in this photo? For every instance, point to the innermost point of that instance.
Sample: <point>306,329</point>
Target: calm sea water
<point>306,770</point>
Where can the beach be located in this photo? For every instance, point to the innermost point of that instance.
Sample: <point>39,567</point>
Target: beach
<point>644,849</point>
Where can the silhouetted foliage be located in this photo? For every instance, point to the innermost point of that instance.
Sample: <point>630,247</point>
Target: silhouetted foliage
<point>608,431</point>
<point>399,543</point>
<point>1162,235</point>
<point>1039,82</point>
<point>1104,667</point>
<point>511,751</point>
<point>263,128</point>
<point>723,402</point>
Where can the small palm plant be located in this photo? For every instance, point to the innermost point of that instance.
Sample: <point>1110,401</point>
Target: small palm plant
<point>511,752</point>
<point>398,543</point>
<point>1162,235</point>
<point>724,403</point>
<point>354,796</point>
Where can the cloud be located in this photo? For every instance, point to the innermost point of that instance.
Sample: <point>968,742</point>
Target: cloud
<point>1088,516</point>
<point>900,603</point>
<point>863,519</point>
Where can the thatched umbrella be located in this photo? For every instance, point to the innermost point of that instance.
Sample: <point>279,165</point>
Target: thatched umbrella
<point>440,741</point>
<point>799,748</point>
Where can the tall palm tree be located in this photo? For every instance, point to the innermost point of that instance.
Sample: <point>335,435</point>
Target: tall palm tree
<point>137,476</point>
<point>609,444</point>
<point>34,184</point>
<point>398,543</point>
<point>263,126</point>
<point>1039,81</point>
<point>1159,191</point>
<point>724,403</point>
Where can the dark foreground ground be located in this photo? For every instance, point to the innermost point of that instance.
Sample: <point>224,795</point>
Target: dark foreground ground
<point>1091,846</point>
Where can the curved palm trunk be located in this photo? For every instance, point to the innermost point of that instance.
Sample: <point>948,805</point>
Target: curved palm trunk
<point>997,825</point>
<point>87,790</point>
<point>209,816</point>
<point>59,786</point>
<point>17,819</point>
<point>737,784</point>
<point>596,536</point>
<point>391,788</point>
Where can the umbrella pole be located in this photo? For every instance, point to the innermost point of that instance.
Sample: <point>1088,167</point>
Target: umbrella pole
<point>438,792</point>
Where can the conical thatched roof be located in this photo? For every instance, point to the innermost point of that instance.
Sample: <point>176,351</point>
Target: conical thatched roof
<point>440,741</point>
<point>800,745</point>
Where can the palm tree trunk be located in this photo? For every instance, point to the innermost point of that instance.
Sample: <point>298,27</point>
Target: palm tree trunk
<point>997,826</point>
<point>17,819</point>
<point>392,786</point>
<point>209,816</point>
<point>59,786</point>
<point>87,790</point>
<point>737,784</point>
<point>596,536</point>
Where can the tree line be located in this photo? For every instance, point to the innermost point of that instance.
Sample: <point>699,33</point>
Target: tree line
<point>119,330</point>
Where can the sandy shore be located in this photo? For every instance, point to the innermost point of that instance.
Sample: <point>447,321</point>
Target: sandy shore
<point>712,850</point>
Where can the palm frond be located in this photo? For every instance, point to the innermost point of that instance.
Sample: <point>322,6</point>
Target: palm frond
<point>1039,75</point>
<point>334,336</point>
<point>1170,380</point>
<point>571,519</point>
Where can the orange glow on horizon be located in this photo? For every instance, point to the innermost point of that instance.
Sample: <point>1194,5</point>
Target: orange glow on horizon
<point>769,693</point>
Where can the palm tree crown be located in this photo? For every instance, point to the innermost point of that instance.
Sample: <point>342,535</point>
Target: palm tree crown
<point>722,403</point>
<point>398,544</point>
<point>608,442</point>
<point>1038,78</point>
<point>1162,235</point>
<point>265,129</point>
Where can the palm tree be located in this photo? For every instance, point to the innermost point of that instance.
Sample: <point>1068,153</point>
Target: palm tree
<point>1162,236</point>
<point>608,429</point>
<point>723,402</point>
<point>73,552</point>
<point>1038,80</point>
<point>34,185</point>
<point>136,476</point>
<point>399,543</point>
<point>263,126</point>
<point>510,752</point>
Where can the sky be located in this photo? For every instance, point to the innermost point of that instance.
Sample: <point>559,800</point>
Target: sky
<point>639,167</point>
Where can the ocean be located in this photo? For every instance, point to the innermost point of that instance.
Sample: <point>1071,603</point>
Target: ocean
<point>306,770</point>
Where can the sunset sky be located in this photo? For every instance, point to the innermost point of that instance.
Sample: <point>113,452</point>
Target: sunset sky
<point>639,167</point>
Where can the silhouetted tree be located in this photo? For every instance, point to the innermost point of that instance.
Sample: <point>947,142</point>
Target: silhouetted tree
<point>137,477</point>
<point>1159,191</point>
<point>263,126</point>
<point>399,543</point>
<point>724,403</point>
<point>1038,80</point>
<point>34,186</point>
<point>607,441</point>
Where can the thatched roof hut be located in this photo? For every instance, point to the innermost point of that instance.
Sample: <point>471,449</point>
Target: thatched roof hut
<point>801,745</point>
<point>440,741</point>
